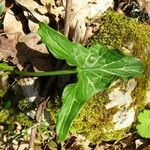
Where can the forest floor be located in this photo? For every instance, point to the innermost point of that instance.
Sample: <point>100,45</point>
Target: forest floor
<point>21,47</point>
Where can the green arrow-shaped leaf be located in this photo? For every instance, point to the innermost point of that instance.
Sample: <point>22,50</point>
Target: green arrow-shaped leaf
<point>97,67</point>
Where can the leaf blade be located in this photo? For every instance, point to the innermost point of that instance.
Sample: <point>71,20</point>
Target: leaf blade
<point>56,41</point>
<point>97,67</point>
<point>144,127</point>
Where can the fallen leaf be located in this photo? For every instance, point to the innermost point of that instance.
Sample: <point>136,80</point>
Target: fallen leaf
<point>11,24</point>
<point>23,50</point>
<point>45,2</point>
<point>28,50</point>
<point>8,48</point>
<point>84,11</point>
<point>26,19</point>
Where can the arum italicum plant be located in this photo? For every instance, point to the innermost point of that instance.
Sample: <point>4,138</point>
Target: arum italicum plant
<point>96,68</point>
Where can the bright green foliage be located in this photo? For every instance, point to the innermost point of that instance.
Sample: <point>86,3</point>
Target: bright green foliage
<point>131,37</point>
<point>97,67</point>
<point>144,127</point>
<point>2,7</point>
<point>4,66</point>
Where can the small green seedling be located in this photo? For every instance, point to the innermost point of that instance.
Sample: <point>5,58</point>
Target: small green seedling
<point>143,127</point>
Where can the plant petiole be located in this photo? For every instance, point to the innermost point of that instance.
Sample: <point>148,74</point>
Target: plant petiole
<point>40,74</point>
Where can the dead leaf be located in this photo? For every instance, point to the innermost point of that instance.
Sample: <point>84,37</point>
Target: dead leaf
<point>11,24</point>
<point>45,2</point>
<point>82,12</point>
<point>76,142</point>
<point>26,50</point>
<point>31,5</point>
<point>8,48</point>
<point>43,11</point>
<point>29,51</point>
<point>26,18</point>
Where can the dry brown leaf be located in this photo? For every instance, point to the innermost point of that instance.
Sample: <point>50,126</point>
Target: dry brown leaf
<point>25,50</point>
<point>47,12</point>
<point>31,40</point>
<point>76,142</point>
<point>41,18</point>
<point>11,24</point>
<point>28,50</point>
<point>81,10</point>
<point>31,5</point>
<point>34,12</point>
<point>45,2</point>
<point>8,48</point>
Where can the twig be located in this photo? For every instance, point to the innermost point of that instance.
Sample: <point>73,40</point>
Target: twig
<point>43,101</point>
<point>75,36</point>
<point>17,136</point>
<point>84,40</point>
<point>39,112</point>
<point>67,17</point>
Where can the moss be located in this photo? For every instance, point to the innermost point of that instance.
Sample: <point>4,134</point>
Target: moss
<point>132,38</point>
<point>124,33</point>
<point>3,91</point>
<point>23,119</point>
<point>52,108</point>
<point>139,94</point>
<point>43,132</point>
<point>95,122</point>
<point>4,115</point>
<point>13,109</point>
<point>23,104</point>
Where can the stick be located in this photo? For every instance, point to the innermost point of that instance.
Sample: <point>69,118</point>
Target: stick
<point>39,112</point>
<point>67,17</point>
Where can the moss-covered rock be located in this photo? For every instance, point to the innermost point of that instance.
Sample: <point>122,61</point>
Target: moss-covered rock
<point>102,117</point>
<point>132,38</point>
<point>96,120</point>
<point>13,109</point>
<point>124,33</point>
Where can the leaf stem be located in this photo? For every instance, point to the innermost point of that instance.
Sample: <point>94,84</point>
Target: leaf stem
<point>6,67</point>
<point>40,74</point>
